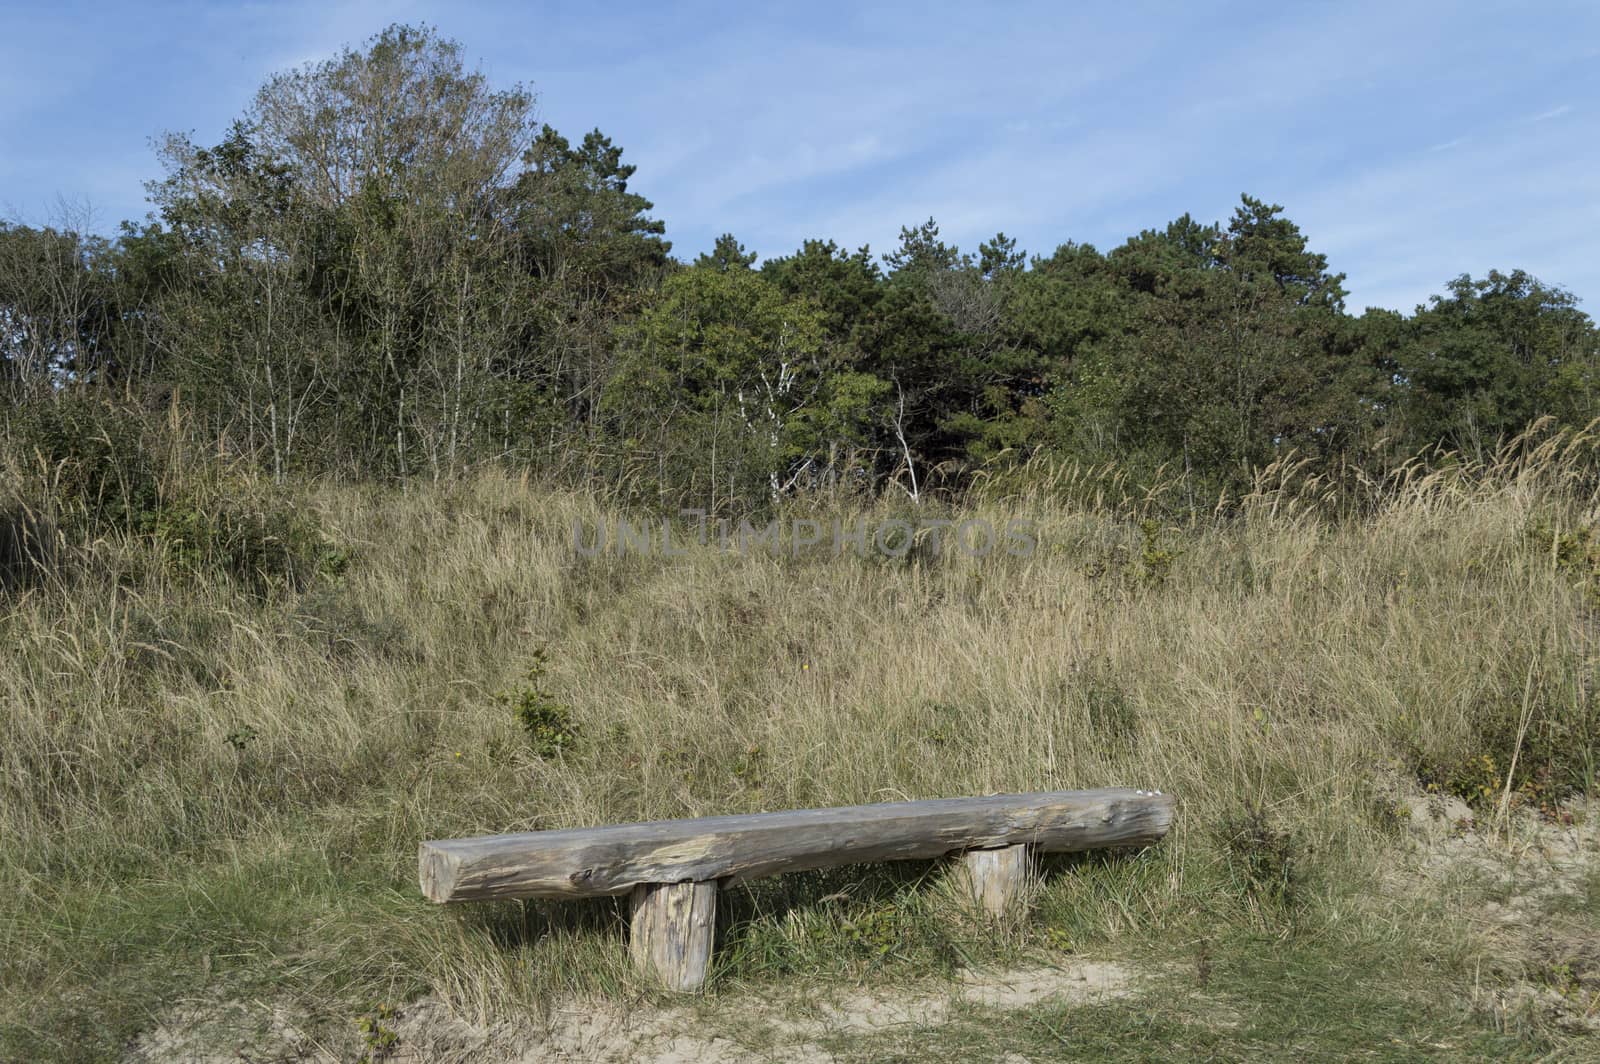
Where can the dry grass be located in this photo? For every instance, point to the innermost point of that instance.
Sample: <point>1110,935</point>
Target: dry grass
<point>207,786</point>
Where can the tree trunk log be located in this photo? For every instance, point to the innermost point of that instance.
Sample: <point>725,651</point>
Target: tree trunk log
<point>996,878</point>
<point>672,930</point>
<point>613,860</point>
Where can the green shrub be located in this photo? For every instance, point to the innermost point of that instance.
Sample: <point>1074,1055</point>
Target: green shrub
<point>549,724</point>
<point>1155,558</point>
<point>258,538</point>
<point>1575,552</point>
<point>89,459</point>
<point>1549,756</point>
<point>86,468</point>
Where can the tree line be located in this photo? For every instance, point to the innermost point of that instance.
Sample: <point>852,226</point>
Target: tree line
<point>389,268</point>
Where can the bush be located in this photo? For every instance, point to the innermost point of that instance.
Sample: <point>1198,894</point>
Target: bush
<point>90,462</point>
<point>96,468</point>
<point>258,538</point>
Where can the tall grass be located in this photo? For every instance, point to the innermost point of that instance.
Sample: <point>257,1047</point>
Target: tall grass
<point>211,781</point>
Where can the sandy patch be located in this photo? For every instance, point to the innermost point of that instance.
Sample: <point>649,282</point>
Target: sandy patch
<point>1529,871</point>
<point>779,1031</point>
<point>769,1031</point>
<point>215,1032</point>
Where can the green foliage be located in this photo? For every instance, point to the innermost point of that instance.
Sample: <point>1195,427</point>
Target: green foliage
<point>1214,351</point>
<point>877,931</point>
<point>723,373</point>
<point>1155,557</point>
<point>378,1039</point>
<point>1476,780</point>
<point>63,308</point>
<point>1574,551</point>
<point>1489,357</point>
<point>86,461</point>
<point>1144,566</point>
<point>1547,741</point>
<point>241,737</point>
<point>862,918</point>
<point>844,286</point>
<point>576,213</point>
<point>87,469</point>
<point>387,267</point>
<point>1112,712</point>
<point>549,725</point>
<point>727,254</point>
<point>921,254</point>
<point>258,537</point>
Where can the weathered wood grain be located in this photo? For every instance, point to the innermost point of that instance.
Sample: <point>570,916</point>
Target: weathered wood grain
<point>670,938</point>
<point>996,878</point>
<point>613,860</point>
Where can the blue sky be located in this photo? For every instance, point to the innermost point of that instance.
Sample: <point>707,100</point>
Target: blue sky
<point>1411,142</point>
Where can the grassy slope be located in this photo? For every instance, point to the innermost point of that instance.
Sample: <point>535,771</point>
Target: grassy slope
<point>208,791</point>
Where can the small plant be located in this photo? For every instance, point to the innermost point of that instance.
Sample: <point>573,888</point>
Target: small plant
<point>1149,567</point>
<point>379,1039</point>
<point>1265,857</point>
<point>876,931</point>
<point>548,723</point>
<point>259,538</point>
<point>1155,560</point>
<point>751,765</point>
<point>1476,780</point>
<point>241,737</point>
<point>1113,716</point>
<point>1390,815</point>
<point>947,717</point>
<point>334,562</point>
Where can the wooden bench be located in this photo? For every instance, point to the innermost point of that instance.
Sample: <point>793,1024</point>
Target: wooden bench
<point>672,867</point>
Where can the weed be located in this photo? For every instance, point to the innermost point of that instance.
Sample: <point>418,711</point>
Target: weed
<point>258,538</point>
<point>751,765</point>
<point>378,1039</point>
<point>1263,858</point>
<point>241,737</point>
<point>1389,816</point>
<point>1574,552</point>
<point>1476,780</point>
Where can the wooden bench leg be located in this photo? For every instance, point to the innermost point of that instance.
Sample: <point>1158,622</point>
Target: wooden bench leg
<point>670,938</point>
<point>996,877</point>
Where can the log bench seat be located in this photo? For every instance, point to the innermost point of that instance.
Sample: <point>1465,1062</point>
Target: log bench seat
<point>672,868</point>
